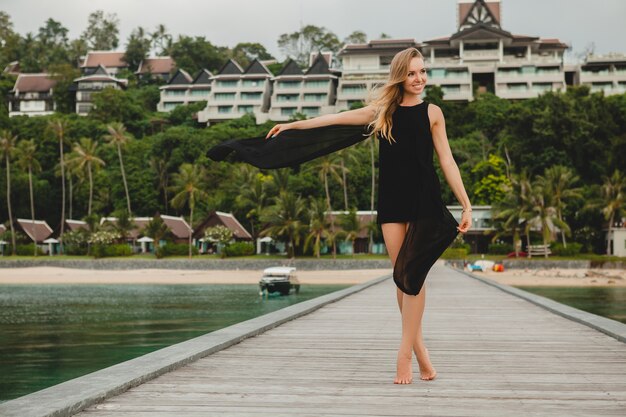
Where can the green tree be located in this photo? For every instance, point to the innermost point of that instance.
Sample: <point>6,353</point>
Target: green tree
<point>85,158</point>
<point>246,52</point>
<point>157,230</point>
<point>137,48</point>
<point>161,40</point>
<point>318,226</point>
<point>560,180</point>
<point>64,75</point>
<point>27,160</point>
<point>490,180</point>
<point>543,211</point>
<point>194,54</point>
<point>286,219</point>
<point>52,44</point>
<point>351,226</point>
<point>7,149</point>
<point>356,37</point>
<point>118,137</point>
<point>102,31</point>
<point>59,128</point>
<point>189,186</point>
<point>300,44</point>
<point>612,201</point>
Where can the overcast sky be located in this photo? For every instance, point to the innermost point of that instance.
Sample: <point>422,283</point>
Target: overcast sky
<point>228,22</point>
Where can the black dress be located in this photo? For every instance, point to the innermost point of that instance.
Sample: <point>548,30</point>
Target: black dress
<point>409,188</point>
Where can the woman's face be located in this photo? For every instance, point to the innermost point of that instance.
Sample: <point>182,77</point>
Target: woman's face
<point>416,77</point>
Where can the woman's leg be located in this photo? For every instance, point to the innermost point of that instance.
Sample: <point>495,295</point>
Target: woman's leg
<point>393,234</point>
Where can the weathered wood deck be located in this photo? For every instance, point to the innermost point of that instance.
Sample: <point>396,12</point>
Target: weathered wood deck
<point>496,355</point>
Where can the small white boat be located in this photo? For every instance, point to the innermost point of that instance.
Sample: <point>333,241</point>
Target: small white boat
<point>279,279</point>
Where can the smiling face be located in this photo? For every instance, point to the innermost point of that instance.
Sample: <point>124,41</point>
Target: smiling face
<point>416,78</point>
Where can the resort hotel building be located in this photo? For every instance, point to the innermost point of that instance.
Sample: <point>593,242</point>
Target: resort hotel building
<point>481,56</point>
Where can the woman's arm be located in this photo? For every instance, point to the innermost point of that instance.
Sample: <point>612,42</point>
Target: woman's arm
<point>448,164</point>
<point>362,116</point>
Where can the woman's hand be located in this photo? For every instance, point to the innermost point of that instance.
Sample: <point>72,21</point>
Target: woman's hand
<point>277,129</point>
<point>466,222</point>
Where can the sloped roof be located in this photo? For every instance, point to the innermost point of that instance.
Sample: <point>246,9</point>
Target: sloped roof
<point>225,219</point>
<point>257,67</point>
<point>231,67</point>
<point>180,77</point>
<point>203,77</point>
<point>485,12</point>
<point>481,26</point>
<point>320,66</point>
<point>140,222</point>
<point>290,68</point>
<point>379,45</point>
<point>177,225</point>
<point>33,83</point>
<point>156,65</point>
<point>75,225</point>
<point>37,232</point>
<point>105,58</point>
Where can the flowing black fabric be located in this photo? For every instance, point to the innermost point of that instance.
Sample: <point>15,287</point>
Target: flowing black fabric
<point>409,188</point>
<point>290,147</point>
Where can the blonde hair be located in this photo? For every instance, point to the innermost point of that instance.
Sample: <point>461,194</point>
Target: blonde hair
<point>387,98</point>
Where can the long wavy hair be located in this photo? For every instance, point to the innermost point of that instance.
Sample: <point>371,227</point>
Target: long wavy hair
<point>388,97</point>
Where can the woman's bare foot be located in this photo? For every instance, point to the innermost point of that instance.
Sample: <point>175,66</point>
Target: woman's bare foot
<point>404,373</point>
<point>427,371</point>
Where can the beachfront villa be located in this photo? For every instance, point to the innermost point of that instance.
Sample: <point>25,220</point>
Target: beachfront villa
<point>177,226</point>
<point>219,218</point>
<point>606,73</point>
<point>617,238</point>
<point>40,233</point>
<point>32,95</point>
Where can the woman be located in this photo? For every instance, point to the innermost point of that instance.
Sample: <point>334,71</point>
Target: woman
<point>416,225</point>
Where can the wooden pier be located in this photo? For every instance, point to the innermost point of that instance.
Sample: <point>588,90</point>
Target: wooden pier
<point>496,355</point>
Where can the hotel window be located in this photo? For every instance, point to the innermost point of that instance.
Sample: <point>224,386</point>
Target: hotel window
<point>287,111</point>
<point>316,83</point>
<point>436,72</point>
<point>287,97</point>
<point>528,69</point>
<point>251,96</point>
<point>170,106</point>
<point>227,83</point>
<point>314,97</point>
<point>620,69</point>
<point>311,111</point>
<point>244,109</point>
<point>596,87</point>
<point>252,83</point>
<point>547,70</point>
<point>224,96</point>
<point>542,87</point>
<point>289,84</point>
<point>455,88</point>
<point>200,92</point>
<point>385,61</point>
<point>456,73</point>
<point>174,93</point>
<point>224,109</point>
<point>507,72</point>
<point>517,86</point>
<point>354,88</point>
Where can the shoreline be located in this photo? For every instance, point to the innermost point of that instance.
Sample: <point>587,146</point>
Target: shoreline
<point>558,277</point>
<point>57,275</point>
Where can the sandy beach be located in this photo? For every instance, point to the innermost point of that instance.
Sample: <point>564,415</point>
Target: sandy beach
<point>555,277</point>
<point>53,275</point>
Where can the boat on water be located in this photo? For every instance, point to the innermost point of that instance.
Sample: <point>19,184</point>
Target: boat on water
<point>279,279</point>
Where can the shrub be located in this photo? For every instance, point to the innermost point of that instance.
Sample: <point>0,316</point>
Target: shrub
<point>239,249</point>
<point>174,249</point>
<point>25,250</point>
<point>102,251</point>
<point>500,248</point>
<point>72,249</point>
<point>572,249</point>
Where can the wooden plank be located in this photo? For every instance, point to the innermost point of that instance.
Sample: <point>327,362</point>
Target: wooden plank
<point>496,355</point>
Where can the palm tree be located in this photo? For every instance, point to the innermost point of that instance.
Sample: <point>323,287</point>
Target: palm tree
<point>326,166</point>
<point>59,127</point>
<point>612,201</point>
<point>189,183</point>
<point>346,155</point>
<point>119,137</point>
<point>351,226</point>
<point>85,158</point>
<point>156,229</point>
<point>27,161</point>
<point>560,180</point>
<point>7,148</point>
<point>253,196</point>
<point>160,168</point>
<point>512,211</point>
<point>542,206</point>
<point>286,219</point>
<point>318,226</point>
